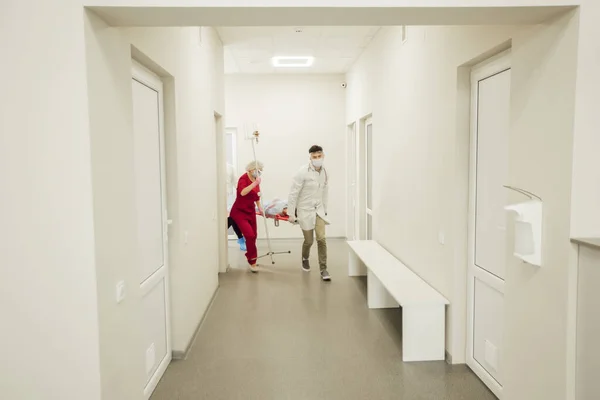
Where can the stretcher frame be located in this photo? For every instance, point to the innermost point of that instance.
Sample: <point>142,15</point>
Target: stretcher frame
<point>276,218</point>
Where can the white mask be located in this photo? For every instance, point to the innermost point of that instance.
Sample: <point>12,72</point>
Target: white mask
<point>317,163</point>
<point>256,174</point>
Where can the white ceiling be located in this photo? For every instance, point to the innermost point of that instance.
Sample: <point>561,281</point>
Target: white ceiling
<point>326,12</point>
<point>248,50</point>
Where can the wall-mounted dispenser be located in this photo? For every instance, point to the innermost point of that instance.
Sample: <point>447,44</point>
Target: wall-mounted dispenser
<point>528,228</point>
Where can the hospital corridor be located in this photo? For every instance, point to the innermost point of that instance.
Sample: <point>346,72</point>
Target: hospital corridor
<point>300,200</point>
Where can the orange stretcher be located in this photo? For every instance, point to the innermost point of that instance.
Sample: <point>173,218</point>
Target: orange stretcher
<point>276,218</point>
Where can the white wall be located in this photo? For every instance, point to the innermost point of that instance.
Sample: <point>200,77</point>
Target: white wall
<point>414,93</point>
<point>48,305</point>
<point>411,90</point>
<point>193,90</point>
<point>198,93</point>
<point>588,348</point>
<point>293,112</point>
<point>586,163</point>
<point>541,144</point>
<point>111,135</point>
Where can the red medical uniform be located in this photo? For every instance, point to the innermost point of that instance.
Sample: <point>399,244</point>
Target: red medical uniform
<point>243,213</point>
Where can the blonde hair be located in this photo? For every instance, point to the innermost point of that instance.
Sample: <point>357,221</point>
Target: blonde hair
<point>252,165</point>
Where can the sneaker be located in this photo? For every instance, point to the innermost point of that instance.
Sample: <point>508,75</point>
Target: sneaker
<point>305,265</point>
<point>242,243</point>
<point>325,275</point>
<point>253,268</point>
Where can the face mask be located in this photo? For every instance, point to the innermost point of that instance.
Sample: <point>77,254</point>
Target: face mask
<point>256,174</point>
<point>317,163</point>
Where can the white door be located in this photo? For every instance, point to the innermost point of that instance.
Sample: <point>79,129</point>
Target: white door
<point>490,86</point>
<point>351,228</point>
<point>369,178</point>
<point>232,169</point>
<point>152,223</point>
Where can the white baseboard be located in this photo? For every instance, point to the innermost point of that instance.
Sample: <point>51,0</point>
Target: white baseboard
<point>182,355</point>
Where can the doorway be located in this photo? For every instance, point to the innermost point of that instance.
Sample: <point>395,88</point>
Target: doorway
<point>352,206</point>
<point>231,165</point>
<point>490,119</point>
<point>369,178</point>
<point>364,155</point>
<point>221,191</point>
<point>152,222</point>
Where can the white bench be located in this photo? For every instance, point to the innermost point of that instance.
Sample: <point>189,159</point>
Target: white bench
<point>391,284</point>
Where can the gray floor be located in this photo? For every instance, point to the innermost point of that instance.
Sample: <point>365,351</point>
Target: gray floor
<point>284,334</point>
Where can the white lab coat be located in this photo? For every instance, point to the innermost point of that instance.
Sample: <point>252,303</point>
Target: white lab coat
<point>309,196</point>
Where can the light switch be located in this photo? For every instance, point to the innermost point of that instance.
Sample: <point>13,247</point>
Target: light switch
<point>120,291</point>
<point>441,237</point>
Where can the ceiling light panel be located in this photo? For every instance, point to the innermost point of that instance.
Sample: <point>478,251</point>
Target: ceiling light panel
<point>292,62</point>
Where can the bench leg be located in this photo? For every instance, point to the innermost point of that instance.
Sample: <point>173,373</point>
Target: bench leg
<point>377,294</point>
<point>423,332</point>
<point>355,265</point>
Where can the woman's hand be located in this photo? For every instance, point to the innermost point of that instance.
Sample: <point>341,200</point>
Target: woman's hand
<point>260,209</point>
<point>251,186</point>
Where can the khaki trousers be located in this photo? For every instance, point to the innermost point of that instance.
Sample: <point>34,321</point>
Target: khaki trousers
<point>321,243</point>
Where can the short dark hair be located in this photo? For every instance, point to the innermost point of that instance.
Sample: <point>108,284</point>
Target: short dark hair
<point>315,149</point>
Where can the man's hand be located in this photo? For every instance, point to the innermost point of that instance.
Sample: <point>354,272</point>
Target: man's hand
<point>291,218</point>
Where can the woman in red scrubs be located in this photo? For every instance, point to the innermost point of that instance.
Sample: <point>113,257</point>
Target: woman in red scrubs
<point>243,210</point>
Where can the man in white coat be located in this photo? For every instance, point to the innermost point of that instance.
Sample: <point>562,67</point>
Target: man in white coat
<point>307,204</point>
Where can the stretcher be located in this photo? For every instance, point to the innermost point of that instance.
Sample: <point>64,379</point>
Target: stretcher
<point>276,218</point>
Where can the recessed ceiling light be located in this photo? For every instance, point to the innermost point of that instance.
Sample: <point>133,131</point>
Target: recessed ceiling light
<point>292,62</point>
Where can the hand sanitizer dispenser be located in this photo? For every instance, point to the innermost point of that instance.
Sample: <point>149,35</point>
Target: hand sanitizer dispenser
<point>528,230</point>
